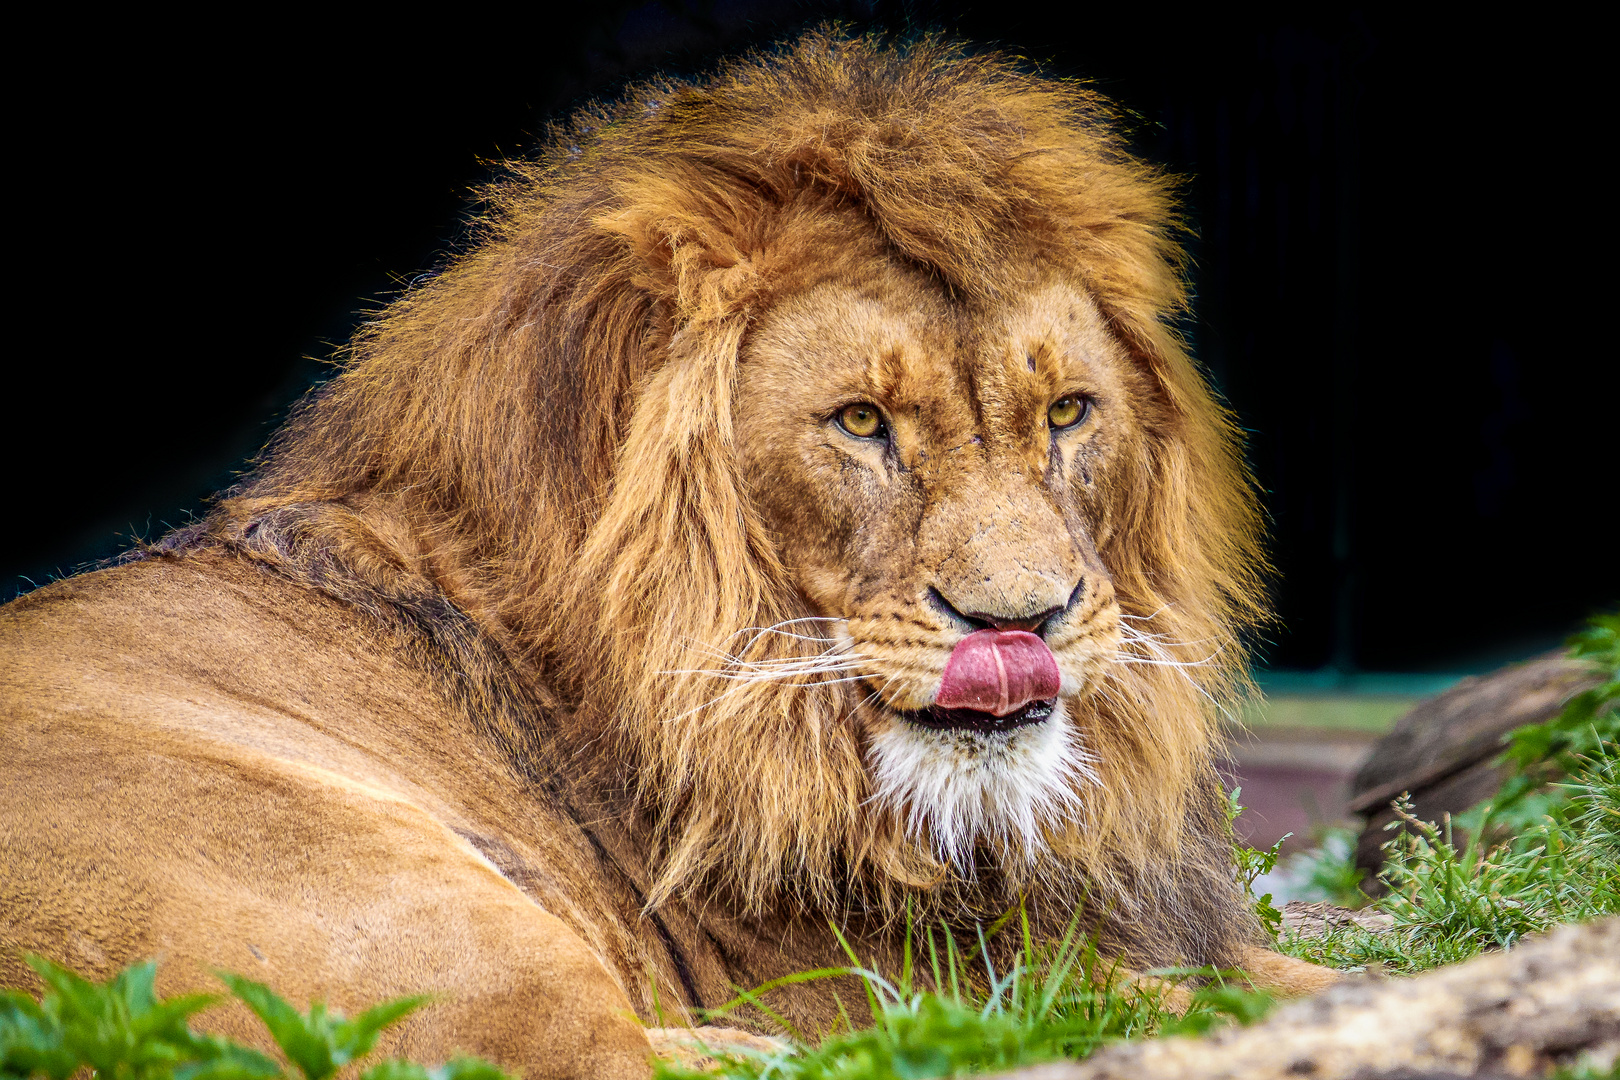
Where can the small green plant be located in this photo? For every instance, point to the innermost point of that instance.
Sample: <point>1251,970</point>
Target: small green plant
<point>121,1031</point>
<point>1252,864</point>
<point>1329,871</point>
<point>1463,889</point>
<point>1453,894</point>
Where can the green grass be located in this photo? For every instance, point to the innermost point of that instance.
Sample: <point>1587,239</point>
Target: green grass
<point>122,1031</point>
<point>1454,894</point>
<point>1055,1002</point>
<point>1544,850</point>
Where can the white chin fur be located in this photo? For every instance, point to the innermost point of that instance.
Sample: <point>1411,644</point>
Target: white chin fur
<point>958,787</point>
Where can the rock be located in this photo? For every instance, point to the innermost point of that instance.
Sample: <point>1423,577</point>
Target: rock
<point>694,1048</point>
<point>1443,751</point>
<point>1314,920</point>
<point>1554,1001</point>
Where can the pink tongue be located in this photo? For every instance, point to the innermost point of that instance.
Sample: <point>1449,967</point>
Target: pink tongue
<point>998,672</point>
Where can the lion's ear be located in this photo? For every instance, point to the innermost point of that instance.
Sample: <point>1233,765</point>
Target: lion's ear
<point>694,241</point>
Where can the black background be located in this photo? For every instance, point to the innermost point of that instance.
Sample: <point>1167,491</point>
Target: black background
<point>1402,236</point>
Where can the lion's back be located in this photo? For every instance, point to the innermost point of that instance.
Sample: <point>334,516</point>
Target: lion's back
<point>194,644</point>
<point>214,653</point>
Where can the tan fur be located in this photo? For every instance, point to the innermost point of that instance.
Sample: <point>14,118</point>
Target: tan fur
<point>447,695</point>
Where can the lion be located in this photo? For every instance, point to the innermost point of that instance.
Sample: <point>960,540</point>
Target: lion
<point>794,514</point>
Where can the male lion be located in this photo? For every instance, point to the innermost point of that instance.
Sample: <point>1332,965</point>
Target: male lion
<point>796,510</point>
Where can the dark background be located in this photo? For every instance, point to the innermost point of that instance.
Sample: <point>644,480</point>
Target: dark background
<point>1401,269</point>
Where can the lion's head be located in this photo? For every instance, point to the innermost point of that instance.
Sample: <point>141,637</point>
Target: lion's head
<point>757,399</point>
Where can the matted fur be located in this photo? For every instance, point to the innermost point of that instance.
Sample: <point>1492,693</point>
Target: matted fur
<point>543,433</point>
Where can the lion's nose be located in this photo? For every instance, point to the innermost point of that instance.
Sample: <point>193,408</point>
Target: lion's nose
<point>1034,623</point>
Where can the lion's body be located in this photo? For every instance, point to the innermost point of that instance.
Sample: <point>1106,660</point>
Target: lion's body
<point>208,765</point>
<point>570,657</point>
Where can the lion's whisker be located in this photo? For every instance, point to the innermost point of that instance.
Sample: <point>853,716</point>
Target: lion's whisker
<point>764,676</point>
<point>738,658</point>
<point>1134,634</point>
<point>1126,658</point>
<point>760,632</point>
<point>834,661</point>
<point>1161,609</point>
<point>744,683</point>
<point>1162,644</point>
<point>1155,646</point>
<point>828,658</point>
<point>1180,667</point>
<point>733,663</point>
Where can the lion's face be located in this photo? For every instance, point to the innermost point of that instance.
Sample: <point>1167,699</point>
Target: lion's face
<point>933,471</point>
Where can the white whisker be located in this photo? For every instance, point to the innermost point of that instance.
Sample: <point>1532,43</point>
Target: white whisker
<point>830,667</point>
<point>1126,658</point>
<point>775,676</point>
<point>760,632</point>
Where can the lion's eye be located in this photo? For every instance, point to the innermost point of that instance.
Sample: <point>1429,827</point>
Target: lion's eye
<point>862,420</point>
<point>1066,412</point>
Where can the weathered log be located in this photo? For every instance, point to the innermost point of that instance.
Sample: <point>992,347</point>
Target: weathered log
<point>1443,752</point>
<point>1551,1002</point>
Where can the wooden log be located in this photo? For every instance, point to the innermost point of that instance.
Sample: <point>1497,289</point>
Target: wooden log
<point>1443,752</point>
<point>1552,1002</point>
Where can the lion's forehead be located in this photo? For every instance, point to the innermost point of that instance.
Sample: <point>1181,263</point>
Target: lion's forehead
<point>946,371</point>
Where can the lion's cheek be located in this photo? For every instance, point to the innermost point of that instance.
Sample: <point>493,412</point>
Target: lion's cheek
<point>829,587</point>
<point>1084,663</point>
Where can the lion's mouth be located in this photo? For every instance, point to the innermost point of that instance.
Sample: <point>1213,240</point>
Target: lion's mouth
<point>938,719</point>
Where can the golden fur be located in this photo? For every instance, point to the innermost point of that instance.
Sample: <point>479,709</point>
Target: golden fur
<point>576,509</point>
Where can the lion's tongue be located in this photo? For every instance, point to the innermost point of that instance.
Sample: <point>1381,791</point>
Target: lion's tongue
<point>998,672</point>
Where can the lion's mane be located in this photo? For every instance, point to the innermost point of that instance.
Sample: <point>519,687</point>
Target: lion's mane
<point>529,456</point>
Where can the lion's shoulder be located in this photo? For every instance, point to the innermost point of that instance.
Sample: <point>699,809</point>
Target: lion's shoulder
<point>210,651</point>
<point>208,618</point>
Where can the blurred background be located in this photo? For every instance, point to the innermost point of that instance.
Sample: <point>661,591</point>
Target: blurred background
<point>1401,249</point>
